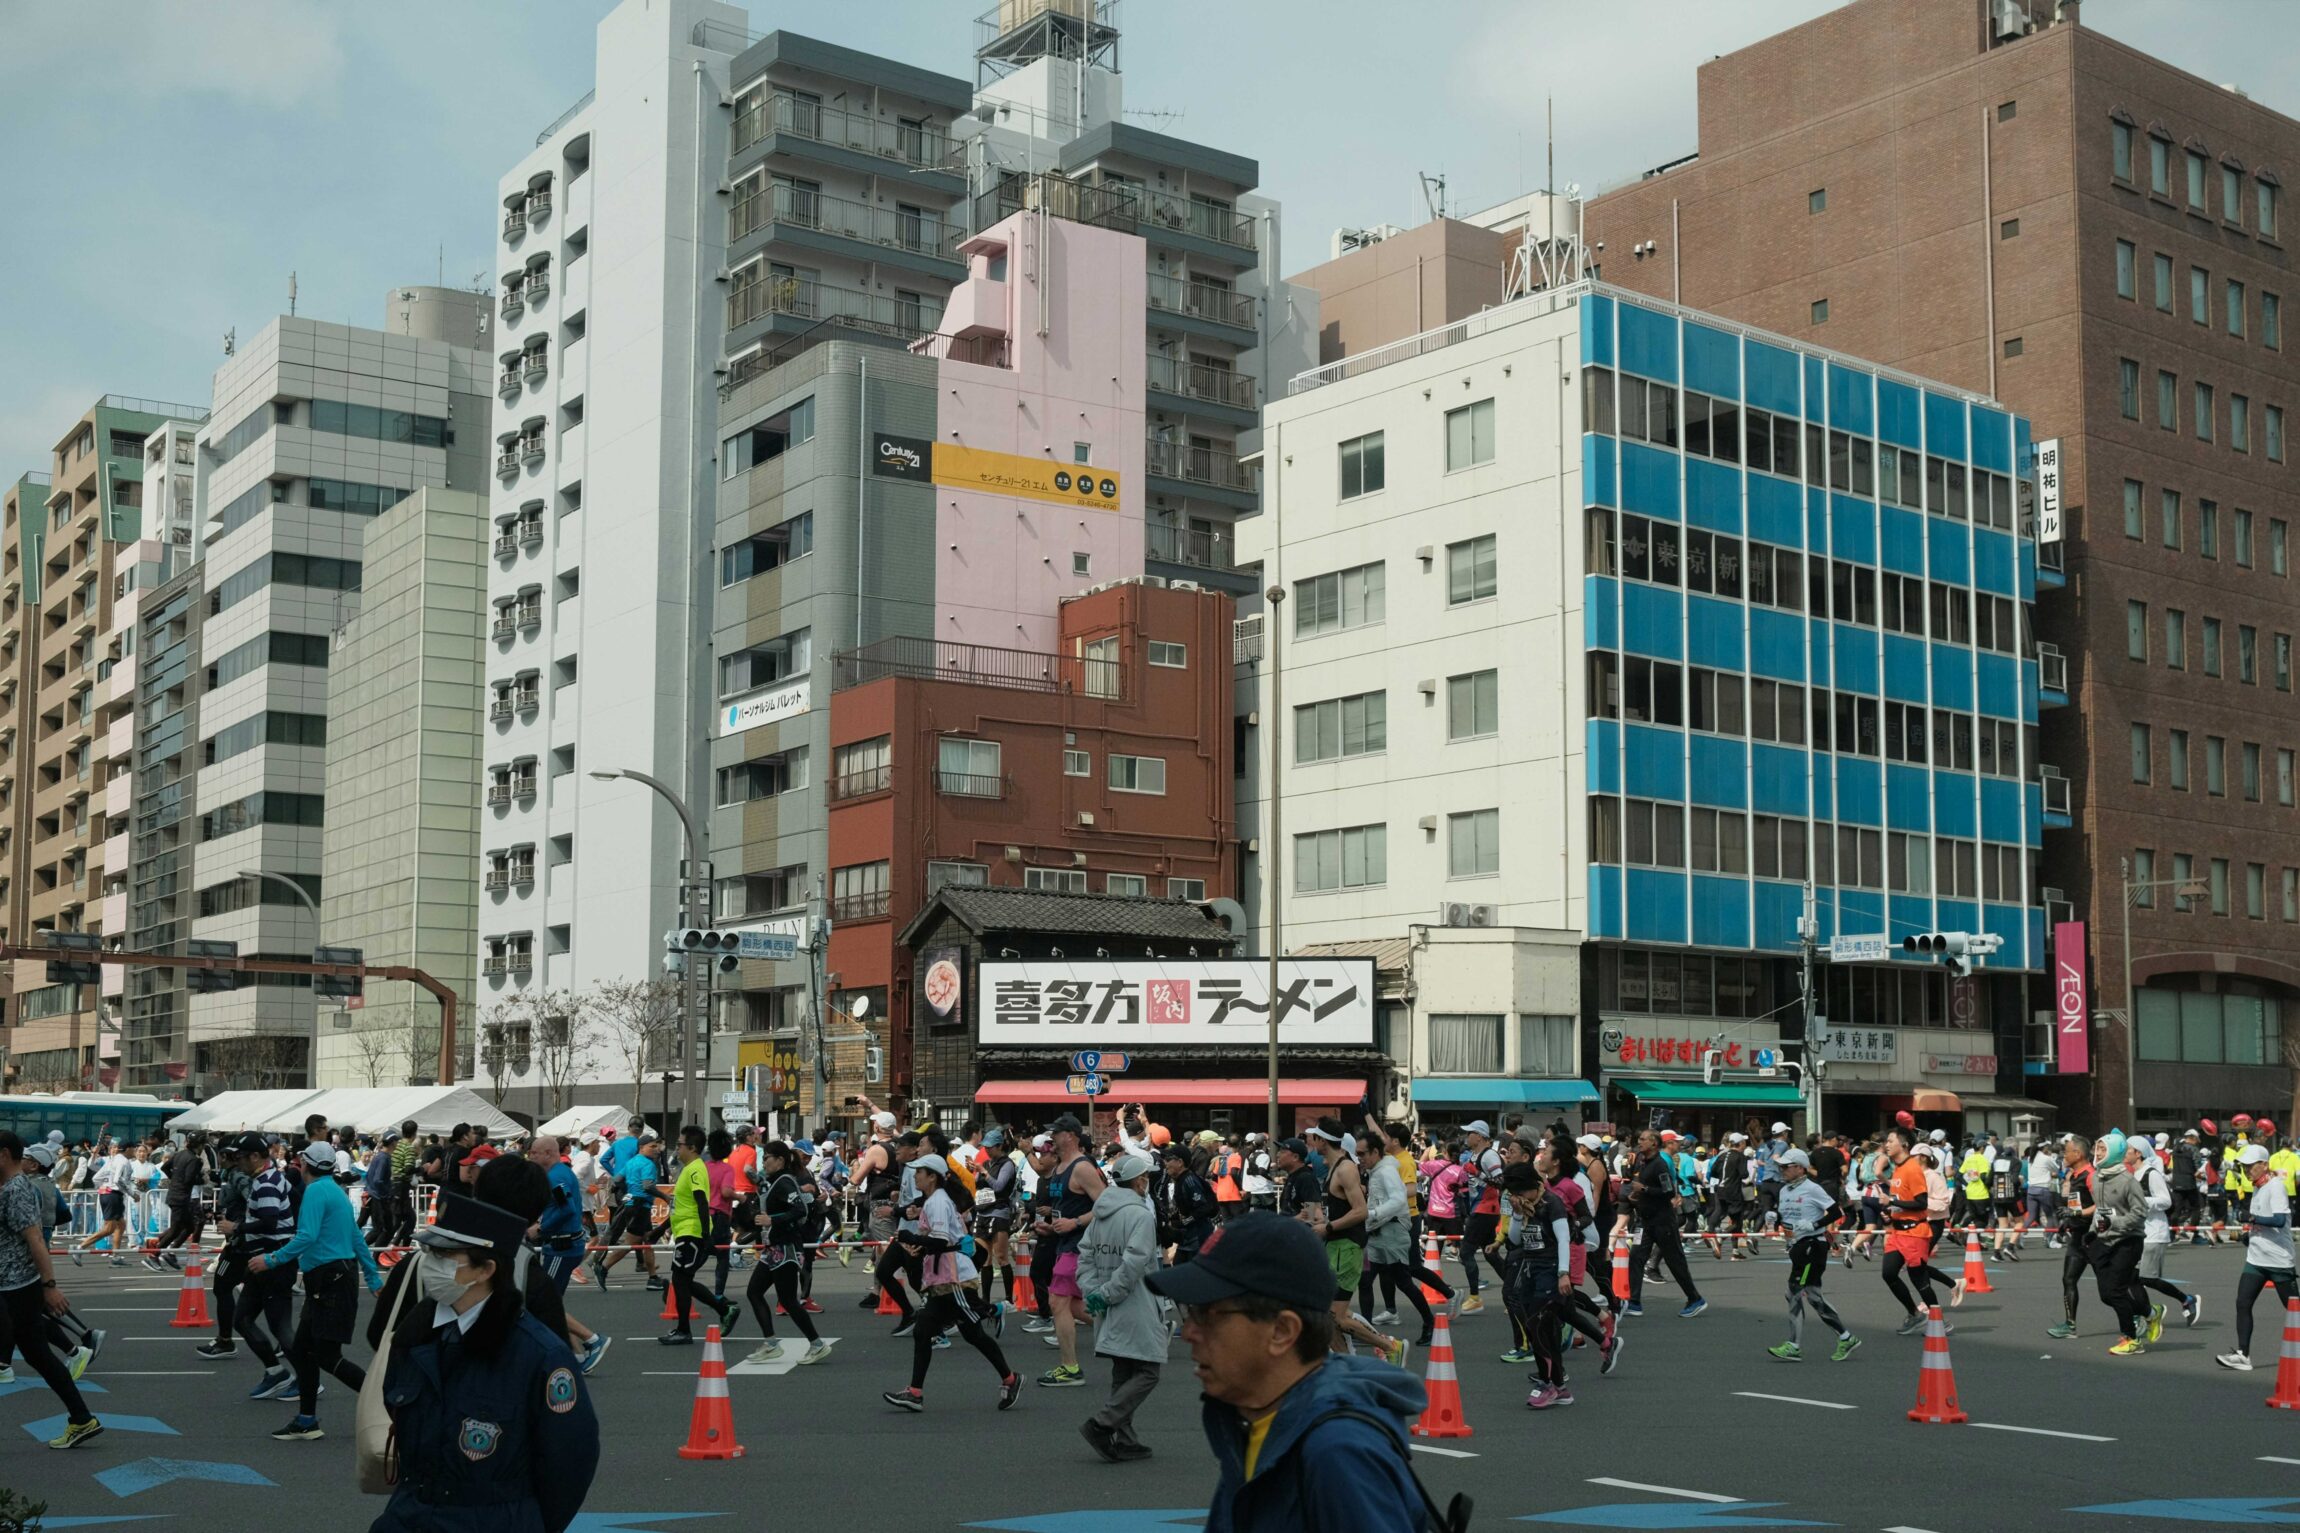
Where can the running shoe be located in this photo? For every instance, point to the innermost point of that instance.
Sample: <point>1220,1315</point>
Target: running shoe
<point>1561,1396</point>
<point>269,1384</point>
<point>904,1329</point>
<point>218,1348</point>
<point>1633,1311</point>
<point>76,1259</point>
<point>1612,1327</point>
<point>593,1350</point>
<point>767,1351</point>
<point>1473,1305</point>
<point>1542,1398</point>
<point>2012,1253</point>
<point>2062,1331</point>
<point>1051,1338</point>
<point>1009,1390</point>
<point>1846,1345</point>
<point>677,1338</point>
<point>997,1318</point>
<point>77,1362</point>
<point>1788,1352</point>
<point>905,1399</point>
<point>846,1255</point>
<point>2235,1360</point>
<point>1035,1326</point>
<point>290,1390</point>
<point>7,1375</point>
<point>1060,1377</point>
<point>1100,1438</point>
<point>78,1432</point>
<point>119,1261</point>
<point>1910,1326</point>
<point>1957,1293</point>
<point>815,1353</point>
<point>154,1264</point>
<point>1698,1306</point>
<point>810,1306</point>
<point>658,1285</point>
<point>2128,1347</point>
<point>599,1272</point>
<point>1609,1357</point>
<point>1394,1351</point>
<point>942,1343</point>
<point>2155,1323</point>
<point>2191,1310</point>
<point>301,1429</point>
<point>1517,1355</point>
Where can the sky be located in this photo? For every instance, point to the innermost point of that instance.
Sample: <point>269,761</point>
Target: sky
<point>171,162</point>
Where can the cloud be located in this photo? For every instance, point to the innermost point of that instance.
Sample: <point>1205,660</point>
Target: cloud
<point>267,54</point>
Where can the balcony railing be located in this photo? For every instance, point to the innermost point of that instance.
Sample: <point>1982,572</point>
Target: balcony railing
<point>908,143</point>
<point>862,784</point>
<point>531,448</point>
<point>804,298</point>
<point>531,534</point>
<point>506,546</point>
<point>536,363</point>
<point>1216,466</point>
<point>498,878</point>
<point>523,787</point>
<point>514,224</point>
<point>1196,380</point>
<point>499,709</point>
<point>980,664</point>
<point>1192,546</point>
<point>1081,202</point>
<point>499,793</point>
<point>523,874</point>
<point>505,625</point>
<point>538,206</point>
<point>538,286</point>
<point>507,464</point>
<point>514,302</point>
<point>920,231</point>
<point>531,617</point>
<point>1201,300</point>
<point>529,702</point>
<point>860,907</point>
<point>495,966</point>
<point>970,784</point>
<point>510,383</point>
<point>1206,220</point>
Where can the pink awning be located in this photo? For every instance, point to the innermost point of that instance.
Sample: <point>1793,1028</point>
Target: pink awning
<point>1206,1093</point>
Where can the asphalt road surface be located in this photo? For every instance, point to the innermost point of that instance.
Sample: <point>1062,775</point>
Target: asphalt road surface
<point>1697,1429</point>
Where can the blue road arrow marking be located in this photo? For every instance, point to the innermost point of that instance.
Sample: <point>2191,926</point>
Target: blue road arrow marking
<point>151,1473</point>
<point>17,1388</point>
<point>2251,1511</point>
<point>628,1522</point>
<point>1100,1521</point>
<point>53,1426</point>
<point>96,1522</point>
<point>1673,1514</point>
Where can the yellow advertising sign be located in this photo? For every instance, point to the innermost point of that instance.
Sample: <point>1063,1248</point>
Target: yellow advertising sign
<point>1006,473</point>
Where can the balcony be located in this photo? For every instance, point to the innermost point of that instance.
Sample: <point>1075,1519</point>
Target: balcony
<point>535,364</point>
<point>805,299</point>
<point>1197,380</point>
<point>510,384</point>
<point>538,205</point>
<point>920,144</point>
<point>530,616</point>
<point>500,709</point>
<point>1201,300</point>
<point>506,546</point>
<point>538,286</point>
<point>1215,467</point>
<point>514,302</point>
<point>498,879</point>
<point>860,907</point>
<point>921,231</point>
<point>862,784</point>
<point>971,784</point>
<point>523,874</point>
<point>531,534</point>
<point>1204,220</point>
<point>1196,547</point>
<point>529,702</point>
<point>495,966</point>
<point>507,464</point>
<point>980,664</point>
<point>514,225</point>
<point>506,624</point>
<point>523,788</point>
<point>531,448</point>
<point>498,793</point>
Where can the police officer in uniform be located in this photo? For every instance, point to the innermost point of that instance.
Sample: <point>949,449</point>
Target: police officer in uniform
<point>492,1421</point>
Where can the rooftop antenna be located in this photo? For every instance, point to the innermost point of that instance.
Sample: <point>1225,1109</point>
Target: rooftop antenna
<point>232,341</point>
<point>1433,193</point>
<point>1166,116</point>
<point>291,295</point>
<point>1537,265</point>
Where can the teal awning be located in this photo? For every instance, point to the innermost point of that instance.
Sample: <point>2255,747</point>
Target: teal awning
<point>1723,1094</point>
<point>1499,1091</point>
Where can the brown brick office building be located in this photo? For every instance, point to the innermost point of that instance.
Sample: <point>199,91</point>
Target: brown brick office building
<point>2101,241</point>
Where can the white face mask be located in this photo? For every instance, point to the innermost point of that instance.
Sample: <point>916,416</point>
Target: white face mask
<point>438,1276</point>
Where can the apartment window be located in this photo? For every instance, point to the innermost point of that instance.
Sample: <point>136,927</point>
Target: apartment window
<point>2270,196</point>
<point>1469,570</point>
<point>2248,654</point>
<point>2208,528</point>
<point>765,664</point>
<point>1820,311</point>
<point>2200,295</point>
<point>2128,388</point>
<point>1192,889</point>
<point>1354,858</point>
<point>2231,194</point>
<point>860,768</point>
<point>1652,691</point>
<point>944,875</point>
<point>1465,1045</point>
<point>2198,172</point>
<point>1908,864</point>
<point>2168,507</point>
<point>1098,660</point>
<point>1714,702</point>
<point>2211,638</point>
<point>2009,229</point>
<point>2217,881</point>
<point>2273,431</point>
<point>968,768</point>
<point>1362,467</point>
<point>2159,166</point>
<point>769,550</point>
<point>1137,774</point>
<point>2167,401</point>
<point>2204,412</point>
<point>2120,150</point>
<point>1776,711</point>
<point>2279,539</point>
<point>2163,265</point>
<point>1057,880</point>
<point>749,780</point>
<point>2249,759</point>
<point>1133,885</point>
<point>1720,840</point>
<point>1473,843</point>
<point>2215,766</point>
<point>2235,307</point>
<point>2140,753</point>
<point>1351,598</point>
<point>1653,834</point>
<point>2132,512</point>
<point>2127,269</point>
<point>2292,894</point>
<point>2136,630</point>
<point>1077,763</point>
<point>2176,777</point>
<point>2013,346</point>
<point>1169,656</point>
<point>2183,873</point>
<point>2283,662</point>
<point>1469,435</point>
<point>2239,423</point>
<point>1340,727</point>
<point>1473,705</point>
<point>2175,639</point>
<point>1777,847</point>
<point>1817,200</point>
<point>2143,874</point>
<point>2271,321</point>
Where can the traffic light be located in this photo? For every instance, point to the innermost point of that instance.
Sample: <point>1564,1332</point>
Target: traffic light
<point>713,944</point>
<point>1962,951</point>
<point>75,971</point>
<point>337,987</point>
<point>210,981</point>
<point>1712,1065</point>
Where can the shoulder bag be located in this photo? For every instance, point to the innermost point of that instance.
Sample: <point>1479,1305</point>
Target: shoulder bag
<point>376,1454</point>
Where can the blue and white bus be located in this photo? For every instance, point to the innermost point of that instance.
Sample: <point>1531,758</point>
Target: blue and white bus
<point>124,1115</point>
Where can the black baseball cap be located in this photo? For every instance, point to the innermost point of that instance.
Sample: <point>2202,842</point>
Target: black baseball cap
<point>1300,1147</point>
<point>1257,1254</point>
<point>1067,1123</point>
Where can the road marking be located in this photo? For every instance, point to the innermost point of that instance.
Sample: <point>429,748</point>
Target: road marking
<point>2270,1458</point>
<point>2082,1437</point>
<point>159,1373</point>
<point>1664,1490</point>
<point>1440,1452</point>
<point>140,1309</point>
<point>1827,1405</point>
<point>1904,1528</point>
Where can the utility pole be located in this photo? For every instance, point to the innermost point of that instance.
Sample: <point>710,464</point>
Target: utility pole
<point>695,982</point>
<point>1271,883</point>
<point>818,949</point>
<point>1816,1026</point>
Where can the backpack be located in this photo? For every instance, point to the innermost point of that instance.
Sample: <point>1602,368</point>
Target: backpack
<point>1453,1518</point>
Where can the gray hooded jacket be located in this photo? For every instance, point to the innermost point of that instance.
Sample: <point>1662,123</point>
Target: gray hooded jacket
<point>2122,1204</point>
<point>1119,1250</point>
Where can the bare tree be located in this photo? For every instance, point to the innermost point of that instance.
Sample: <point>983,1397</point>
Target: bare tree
<point>378,1050</point>
<point>254,1061</point>
<point>563,1034</point>
<point>640,1018</point>
<point>506,1040</point>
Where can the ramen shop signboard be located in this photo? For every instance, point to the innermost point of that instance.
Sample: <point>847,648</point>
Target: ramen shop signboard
<point>1153,1002</point>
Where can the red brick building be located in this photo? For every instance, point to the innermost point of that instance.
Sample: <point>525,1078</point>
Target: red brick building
<point>1107,767</point>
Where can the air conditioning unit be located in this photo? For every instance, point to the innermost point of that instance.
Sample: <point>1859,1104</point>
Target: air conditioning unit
<point>1400,1095</point>
<point>1184,585</point>
<point>1086,819</point>
<point>2011,19</point>
<point>1453,914</point>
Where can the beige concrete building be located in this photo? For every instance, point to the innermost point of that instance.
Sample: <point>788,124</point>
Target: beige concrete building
<point>400,863</point>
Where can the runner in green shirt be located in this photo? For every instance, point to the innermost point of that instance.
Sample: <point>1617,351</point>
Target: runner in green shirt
<point>690,1224</point>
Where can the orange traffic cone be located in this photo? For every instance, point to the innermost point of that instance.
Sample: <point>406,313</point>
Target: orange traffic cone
<point>711,1431</point>
<point>1442,1417</point>
<point>1976,1270</point>
<point>1432,1262</point>
<point>192,1302</point>
<point>670,1302</point>
<point>2287,1396</point>
<point>1025,1292</point>
<point>886,1304</point>
<point>1937,1382</point>
<point>1621,1270</point>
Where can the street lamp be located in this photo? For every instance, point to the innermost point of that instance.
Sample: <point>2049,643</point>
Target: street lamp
<point>1276,596</point>
<point>2184,888</point>
<point>286,882</point>
<point>695,891</point>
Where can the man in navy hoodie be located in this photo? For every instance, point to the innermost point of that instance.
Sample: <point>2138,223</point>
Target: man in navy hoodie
<point>1256,1313</point>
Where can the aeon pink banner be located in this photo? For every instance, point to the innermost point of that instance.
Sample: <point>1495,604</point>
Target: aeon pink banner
<point>2072,1022</point>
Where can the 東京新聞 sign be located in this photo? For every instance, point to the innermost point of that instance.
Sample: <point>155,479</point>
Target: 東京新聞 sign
<point>1133,1004</point>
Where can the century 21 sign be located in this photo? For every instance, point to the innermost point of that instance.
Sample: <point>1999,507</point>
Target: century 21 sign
<point>997,473</point>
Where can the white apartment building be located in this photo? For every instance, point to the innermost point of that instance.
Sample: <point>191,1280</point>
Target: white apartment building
<point>610,265</point>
